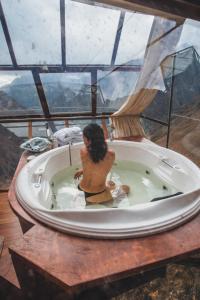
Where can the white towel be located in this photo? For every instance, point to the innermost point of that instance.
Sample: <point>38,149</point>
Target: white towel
<point>69,135</point>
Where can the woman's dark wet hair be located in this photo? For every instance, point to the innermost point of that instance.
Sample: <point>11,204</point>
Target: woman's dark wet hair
<point>98,147</point>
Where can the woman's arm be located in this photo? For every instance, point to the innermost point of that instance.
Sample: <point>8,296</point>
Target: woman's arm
<point>78,174</point>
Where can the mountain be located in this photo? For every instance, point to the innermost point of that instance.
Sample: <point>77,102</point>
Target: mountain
<point>8,103</point>
<point>23,90</point>
<point>9,155</point>
<point>72,93</point>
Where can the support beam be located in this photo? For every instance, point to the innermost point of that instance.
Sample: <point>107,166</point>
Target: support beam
<point>171,101</point>
<point>62,24</point>
<point>7,36</point>
<point>173,9</point>
<point>70,68</point>
<point>41,93</point>
<point>30,130</point>
<point>94,92</point>
<point>54,117</point>
<point>117,38</point>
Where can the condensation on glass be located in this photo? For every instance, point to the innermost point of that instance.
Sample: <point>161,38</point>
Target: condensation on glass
<point>4,53</point>
<point>134,37</point>
<point>12,135</point>
<point>90,33</point>
<point>67,92</point>
<point>34,27</point>
<point>18,94</point>
<point>114,88</point>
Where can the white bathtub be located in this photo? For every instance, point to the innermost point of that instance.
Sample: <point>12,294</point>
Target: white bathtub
<point>34,191</point>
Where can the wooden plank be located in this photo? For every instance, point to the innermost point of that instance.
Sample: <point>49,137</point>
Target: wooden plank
<point>11,230</point>
<point>30,130</point>
<point>17,208</point>
<point>105,129</point>
<point>9,224</point>
<point>66,123</point>
<point>7,271</point>
<point>73,261</point>
<point>1,244</point>
<point>173,9</point>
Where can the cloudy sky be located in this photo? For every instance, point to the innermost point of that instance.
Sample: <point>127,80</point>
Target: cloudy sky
<point>34,26</point>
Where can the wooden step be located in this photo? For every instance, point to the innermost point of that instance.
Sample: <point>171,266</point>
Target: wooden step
<point>11,231</point>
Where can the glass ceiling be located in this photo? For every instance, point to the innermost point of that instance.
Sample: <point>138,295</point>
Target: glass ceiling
<point>4,53</point>
<point>91,32</point>
<point>34,28</point>
<point>66,57</point>
<point>18,93</point>
<point>134,38</point>
<point>67,91</point>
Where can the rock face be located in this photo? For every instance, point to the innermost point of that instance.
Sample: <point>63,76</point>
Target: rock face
<point>9,155</point>
<point>8,104</point>
<point>182,282</point>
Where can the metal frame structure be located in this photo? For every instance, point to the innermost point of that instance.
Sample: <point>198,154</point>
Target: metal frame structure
<point>64,68</point>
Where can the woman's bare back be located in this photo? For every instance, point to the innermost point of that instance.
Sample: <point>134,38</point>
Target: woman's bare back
<point>94,174</point>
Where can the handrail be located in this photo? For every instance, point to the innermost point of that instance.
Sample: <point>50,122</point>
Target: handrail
<point>54,118</point>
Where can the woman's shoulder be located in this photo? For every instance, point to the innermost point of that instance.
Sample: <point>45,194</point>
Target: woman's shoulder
<point>83,152</point>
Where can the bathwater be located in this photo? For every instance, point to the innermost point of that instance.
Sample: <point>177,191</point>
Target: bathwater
<point>144,186</point>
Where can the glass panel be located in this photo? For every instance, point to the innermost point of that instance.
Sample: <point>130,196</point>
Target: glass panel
<point>60,124</point>
<point>159,107</point>
<point>134,38</point>
<point>156,132</point>
<point>90,32</point>
<point>83,123</point>
<point>67,92</point>
<point>190,35</point>
<point>39,129</point>
<point>18,94</point>
<point>114,88</point>
<point>10,152</point>
<point>185,125</point>
<point>4,53</point>
<point>184,135</point>
<point>34,28</point>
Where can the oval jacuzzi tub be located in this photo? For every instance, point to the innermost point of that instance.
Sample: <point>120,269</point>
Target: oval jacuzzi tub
<point>163,173</point>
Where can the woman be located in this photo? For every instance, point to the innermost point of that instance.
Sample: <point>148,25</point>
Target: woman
<point>97,161</point>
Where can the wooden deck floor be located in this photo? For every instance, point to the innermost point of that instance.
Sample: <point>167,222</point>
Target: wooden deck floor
<point>11,230</point>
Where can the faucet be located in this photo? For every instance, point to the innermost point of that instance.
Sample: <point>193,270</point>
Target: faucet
<point>70,154</point>
<point>111,134</point>
<point>49,133</point>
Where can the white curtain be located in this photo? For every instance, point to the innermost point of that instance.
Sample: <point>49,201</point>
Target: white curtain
<point>163,39</point>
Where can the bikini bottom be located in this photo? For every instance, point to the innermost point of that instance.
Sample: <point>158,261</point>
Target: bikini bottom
<point>99,197</point>
<point>89,194</point>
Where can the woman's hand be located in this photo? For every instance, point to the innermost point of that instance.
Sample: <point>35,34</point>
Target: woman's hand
<point>78,174</point>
